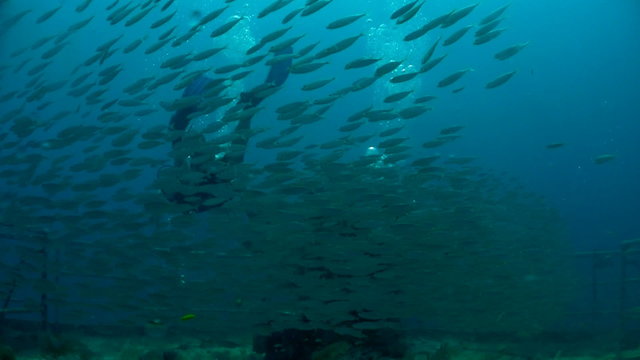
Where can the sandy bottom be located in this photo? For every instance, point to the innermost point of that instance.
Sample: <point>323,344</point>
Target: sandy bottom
<point>83,347</point>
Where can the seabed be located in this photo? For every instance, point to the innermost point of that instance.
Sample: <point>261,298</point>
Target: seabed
<point>19,342</point>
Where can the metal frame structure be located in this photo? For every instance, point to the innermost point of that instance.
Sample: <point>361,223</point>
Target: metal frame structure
<point>611,272</point>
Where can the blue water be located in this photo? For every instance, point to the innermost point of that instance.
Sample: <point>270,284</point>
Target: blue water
<point>577,84</point>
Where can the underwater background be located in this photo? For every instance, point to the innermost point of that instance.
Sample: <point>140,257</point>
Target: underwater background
<point>505,210</point>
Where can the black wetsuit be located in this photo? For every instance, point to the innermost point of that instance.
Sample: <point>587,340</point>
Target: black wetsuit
<point>180,121</point>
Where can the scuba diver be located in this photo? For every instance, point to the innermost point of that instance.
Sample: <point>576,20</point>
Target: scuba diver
<point>180,120</point>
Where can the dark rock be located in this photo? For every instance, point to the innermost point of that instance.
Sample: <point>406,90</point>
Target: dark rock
<point>170,355</point>
<point>385,342</point>
<point>55,346</point>
<point>152,355</point>
<point>293,344</point>
<point>160,355</point>
<point>6,353</point>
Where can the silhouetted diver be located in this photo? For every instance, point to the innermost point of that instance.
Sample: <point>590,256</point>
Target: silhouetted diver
<point>278,74</point>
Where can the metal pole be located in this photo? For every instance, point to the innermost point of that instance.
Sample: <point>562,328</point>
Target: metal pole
<point>594,288</point>
<point>44,307</point>
<point>622,301</point>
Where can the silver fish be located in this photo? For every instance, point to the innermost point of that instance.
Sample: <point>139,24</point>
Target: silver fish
<point>167,33</point>
<point>390,131</point>
<point>424,99</point>
<point>423,30</point>
<point>164,79</point>
<point>291,15</point>
<point>500,80</point>
<point>363,83</point>
<point>344,21</point>
<point>121,15</point>
<point>285,43</point>
<point>413,111</point>
<point>53,51</point>
<point>387,68</point>
<point>162,21</point>
<point>157,46</point>
<point>403,9</point>
<point>397,96</point>
<point>317,84</point>
<point>315,7</point>
<point>132,46</point>
<point>488,36</point>
<point>228,68</point>
<point>254,60</point>
<point>409,14</point>
<point>83,6</point>
<point>79,25</point>
<point>107,45</point>
<point>40,42</point>
<point>14,20</point>
<point>450,79</point>
<point>494,15</point>
<point>430,52</point>
<point>112,5</point>
<point>307,49</point>
<point>432,63</point>
<point>404,77</point>
<point>457,35</point>
<point>510,51</point>
<point>451,130</point>
<point>279,58</point>
<point>223,29</point>
<point>177,61</point>
<point>361,62</point>
<point>47,15</point>
<point>457,15</point>
<point>139,16</point>
<point>274,6</point>
<point>351,127</point>
<point>306,67</point>
<point>338,47</point>
<point>274,35</point>
<point>205,54</point>
<point>166,5</point>
<point>211,16</point>
<point>488,27</point>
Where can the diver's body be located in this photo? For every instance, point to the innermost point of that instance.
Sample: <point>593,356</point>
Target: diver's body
<point>180,121</point>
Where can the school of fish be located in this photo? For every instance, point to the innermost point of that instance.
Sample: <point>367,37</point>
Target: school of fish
<point>321,234</point>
